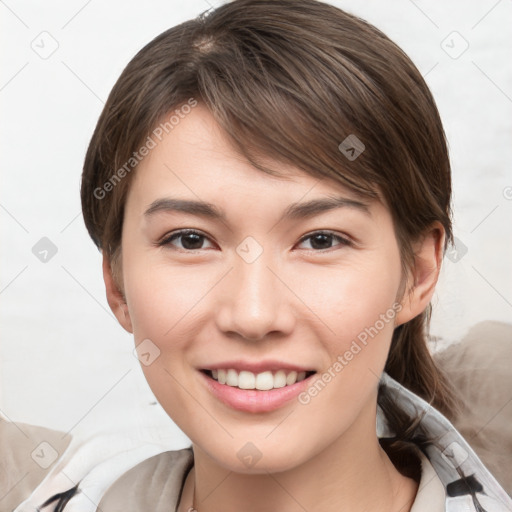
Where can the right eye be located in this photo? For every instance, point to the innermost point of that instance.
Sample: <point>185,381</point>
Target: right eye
<point>191,240</point>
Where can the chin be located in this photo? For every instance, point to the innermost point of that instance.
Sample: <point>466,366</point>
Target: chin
<point>256,458</point>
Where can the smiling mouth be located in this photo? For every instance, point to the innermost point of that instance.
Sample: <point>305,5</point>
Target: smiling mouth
<point>263,381</point>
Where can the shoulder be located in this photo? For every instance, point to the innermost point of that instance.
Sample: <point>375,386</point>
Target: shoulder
<point>479,368</point>
<point>467,482</point>
<point>27,455</point>
<point>154,484</point>
<point>76,471</point>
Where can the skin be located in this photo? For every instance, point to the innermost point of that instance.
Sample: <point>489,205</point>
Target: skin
<point>295,302</point>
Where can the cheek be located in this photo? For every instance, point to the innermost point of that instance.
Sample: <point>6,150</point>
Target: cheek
<point>164,305</point>
<point>357,309</point>
<point>358,312</point>
<point>162,301</point>
<point>349,299</point>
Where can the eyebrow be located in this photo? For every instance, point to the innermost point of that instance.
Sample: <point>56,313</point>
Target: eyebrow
<point>299,210</point>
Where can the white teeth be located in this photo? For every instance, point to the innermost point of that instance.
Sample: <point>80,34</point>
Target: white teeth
<point>291,378</point>
<point>232,378</point>
<point>246,380</point>
<point>261,381</point>
<point>264,381</point>
<point>280,379</point>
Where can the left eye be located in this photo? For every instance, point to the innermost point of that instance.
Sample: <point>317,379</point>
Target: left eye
<point>322,240</point>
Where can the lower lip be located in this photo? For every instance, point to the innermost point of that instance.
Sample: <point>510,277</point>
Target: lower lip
<point>253,400</point>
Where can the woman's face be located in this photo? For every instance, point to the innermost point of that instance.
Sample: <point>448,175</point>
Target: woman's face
<point>269,281</point>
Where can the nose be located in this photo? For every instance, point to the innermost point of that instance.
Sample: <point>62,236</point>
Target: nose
<point>254,302</point>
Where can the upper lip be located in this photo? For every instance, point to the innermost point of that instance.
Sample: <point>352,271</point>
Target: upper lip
<point>257,366</point>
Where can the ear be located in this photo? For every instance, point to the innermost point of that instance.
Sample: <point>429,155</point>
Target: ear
<point>428,256</point>
<point>115,298</point>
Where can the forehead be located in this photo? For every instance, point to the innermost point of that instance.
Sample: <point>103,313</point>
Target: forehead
<point>196,159</point>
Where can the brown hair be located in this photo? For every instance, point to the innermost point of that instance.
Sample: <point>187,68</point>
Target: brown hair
<point>290,80</point>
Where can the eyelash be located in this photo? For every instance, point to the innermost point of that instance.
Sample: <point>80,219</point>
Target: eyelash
<point>343,242</point>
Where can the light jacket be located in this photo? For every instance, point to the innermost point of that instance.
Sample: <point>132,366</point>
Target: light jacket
<point>469,486</point>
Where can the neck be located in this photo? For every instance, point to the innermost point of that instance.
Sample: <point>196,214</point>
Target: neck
<point>352,474</point>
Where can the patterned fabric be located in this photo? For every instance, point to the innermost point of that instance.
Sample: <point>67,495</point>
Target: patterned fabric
<point>469,485</point>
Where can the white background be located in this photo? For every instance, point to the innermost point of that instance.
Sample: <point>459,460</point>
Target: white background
<point>65,363</point>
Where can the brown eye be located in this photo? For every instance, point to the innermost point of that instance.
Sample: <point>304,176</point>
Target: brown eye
<point>190,240</point>
<point>321,240</point>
